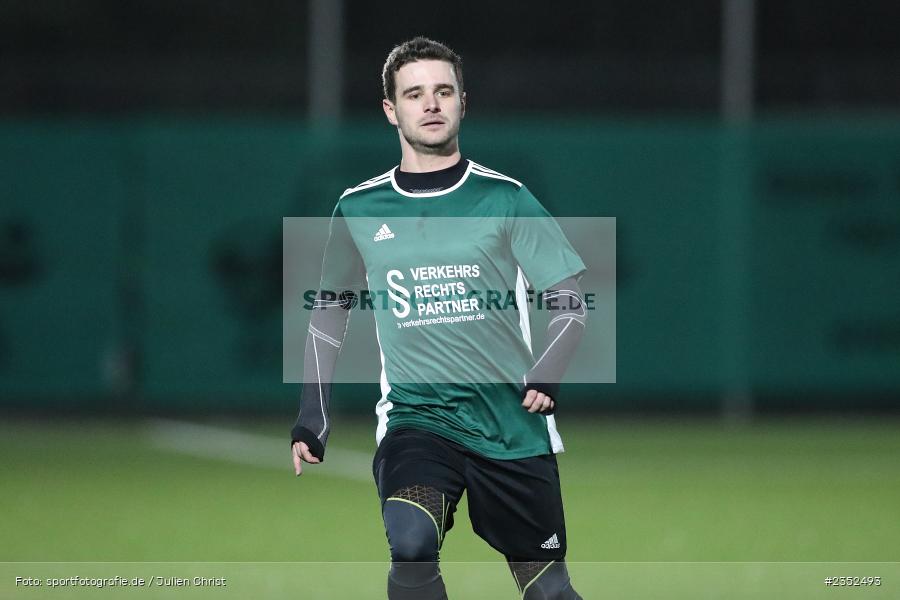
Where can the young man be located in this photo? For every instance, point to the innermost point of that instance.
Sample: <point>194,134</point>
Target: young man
<point>465,404</point>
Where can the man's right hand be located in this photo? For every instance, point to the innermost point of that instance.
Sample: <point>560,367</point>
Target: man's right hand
<point>300,452</point>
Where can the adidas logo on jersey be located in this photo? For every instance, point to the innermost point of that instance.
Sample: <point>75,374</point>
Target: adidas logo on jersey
<point>383,234</point>
<point>551,544</point>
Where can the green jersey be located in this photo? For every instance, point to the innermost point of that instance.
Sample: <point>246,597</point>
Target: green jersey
<point>447,275</point>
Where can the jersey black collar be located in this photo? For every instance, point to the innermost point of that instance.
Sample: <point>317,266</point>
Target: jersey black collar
<point>432,181</point>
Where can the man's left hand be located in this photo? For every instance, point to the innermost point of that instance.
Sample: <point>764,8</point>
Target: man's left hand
<point>536,401</point>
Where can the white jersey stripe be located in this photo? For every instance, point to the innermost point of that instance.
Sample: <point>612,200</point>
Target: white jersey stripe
<point>482,170</point>
<point>369,184</point>
<point>493,176</point>
<point>384,406</point>
<point>371,179</point>
<point>376,181</point>
<point>522,304</point>
<point>556,444</point>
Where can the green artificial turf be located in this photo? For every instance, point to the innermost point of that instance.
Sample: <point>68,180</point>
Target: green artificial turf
<point>654,494</point>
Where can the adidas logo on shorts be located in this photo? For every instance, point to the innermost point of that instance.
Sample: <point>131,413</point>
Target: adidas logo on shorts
<point>551,544</point>
<point>383,233</point>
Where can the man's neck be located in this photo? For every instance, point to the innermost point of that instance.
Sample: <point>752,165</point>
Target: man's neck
<point>415,162</point>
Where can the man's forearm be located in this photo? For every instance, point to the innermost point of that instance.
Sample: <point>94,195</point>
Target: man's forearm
<point>566,305</point>
<point>327,329</point>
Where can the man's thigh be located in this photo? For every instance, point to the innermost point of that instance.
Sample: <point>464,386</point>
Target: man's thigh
<point>516,506</point>
<point>420,468</point>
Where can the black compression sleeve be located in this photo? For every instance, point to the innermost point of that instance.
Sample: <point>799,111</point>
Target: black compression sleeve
<point>565,303</point>
<point>328,321</point>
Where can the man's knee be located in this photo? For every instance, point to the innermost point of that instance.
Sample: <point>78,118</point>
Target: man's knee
<point>414,538</point>
<point>411,531</point>
<point>543,580</point>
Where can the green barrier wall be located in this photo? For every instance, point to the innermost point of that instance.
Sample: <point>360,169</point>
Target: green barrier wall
<point>825,257</point>
<point>769,256</point>
<point>60,260</point>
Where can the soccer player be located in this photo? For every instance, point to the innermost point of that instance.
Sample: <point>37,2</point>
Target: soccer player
<point>466,404</point>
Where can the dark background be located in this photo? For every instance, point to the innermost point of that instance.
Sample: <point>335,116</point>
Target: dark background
<point>149,150</point>
<point>106,56</point>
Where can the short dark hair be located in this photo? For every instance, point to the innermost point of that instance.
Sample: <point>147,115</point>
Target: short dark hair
<point>418,48</point>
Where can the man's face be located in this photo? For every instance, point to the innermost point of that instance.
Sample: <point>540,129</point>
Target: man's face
<point>428,106</point>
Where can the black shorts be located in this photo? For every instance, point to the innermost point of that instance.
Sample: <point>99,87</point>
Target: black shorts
<point>514,505</point>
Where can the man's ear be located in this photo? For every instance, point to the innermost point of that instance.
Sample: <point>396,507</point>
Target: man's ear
<point>462,100</point>
<point>388,107</point>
